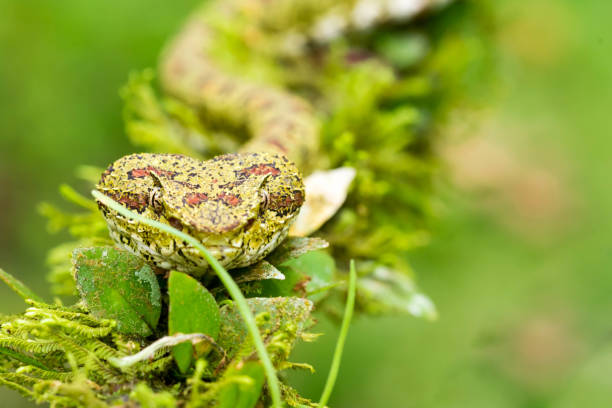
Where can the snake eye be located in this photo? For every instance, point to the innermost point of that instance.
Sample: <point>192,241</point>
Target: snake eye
<point>155,199</point>
<point>265,199</point>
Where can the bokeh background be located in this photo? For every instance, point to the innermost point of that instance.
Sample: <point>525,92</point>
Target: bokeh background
<point>520,266</point>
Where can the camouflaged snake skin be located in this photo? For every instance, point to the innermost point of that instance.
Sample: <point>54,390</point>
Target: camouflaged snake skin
<point>239,206</point>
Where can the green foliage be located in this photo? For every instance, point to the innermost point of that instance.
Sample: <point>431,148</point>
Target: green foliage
<point>116,284</point>
<point>147,398</point>
<point>49,351</point>
<point>319,269</point>
<point>383,290</point>
<point>167,126</point>
<point>390,203</point>
<point>245,389</point>
<point>88,227</point>
<point>282,320</point>
<point>192,309</point>
<point>65,355</point>
<point>310,275</point>
<point>225,278</point>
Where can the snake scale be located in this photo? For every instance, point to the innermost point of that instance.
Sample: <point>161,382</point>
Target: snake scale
<point>238,205</point>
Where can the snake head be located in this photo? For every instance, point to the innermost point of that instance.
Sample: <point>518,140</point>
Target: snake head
<point>240,205</point>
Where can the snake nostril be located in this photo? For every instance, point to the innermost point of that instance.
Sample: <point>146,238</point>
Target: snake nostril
<point>155,200</point>
<point>175,222</point>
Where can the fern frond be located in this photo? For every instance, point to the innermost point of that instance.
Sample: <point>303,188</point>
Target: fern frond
<point>22,379</point>
<point>22,358</point>
<point>16,386</point>
<point>89,360</point>
<point>103,350</point>
<point>28,346</point>
<point>156,366</point>
<point>71,327</point>
<point>43,374</point>
<point>73,315</point>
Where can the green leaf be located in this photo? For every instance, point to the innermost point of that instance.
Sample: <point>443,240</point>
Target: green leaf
<point>242,392</point>
<point>296,275</point>
<point>262,270</point>
<point>18,286</point>
<point>282,313</point>
<point>116,284</point>
<point>308,275</point>
<point>192,310</point>
<point>286,287</point>
<point>319,268</point>
<point>385,290</point>
<point>294,247</point>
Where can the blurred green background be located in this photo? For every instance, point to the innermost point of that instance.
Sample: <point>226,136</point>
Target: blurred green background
<point>520,272</point>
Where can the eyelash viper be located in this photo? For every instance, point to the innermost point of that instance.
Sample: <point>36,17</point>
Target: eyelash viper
<point>239,205</point>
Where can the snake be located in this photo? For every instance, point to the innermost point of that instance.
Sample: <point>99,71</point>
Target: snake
<point>239,205</point>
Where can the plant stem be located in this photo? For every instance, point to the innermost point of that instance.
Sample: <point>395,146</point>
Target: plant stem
<point>346,321</point>
<point>19,287</point>
<point>227,281</point>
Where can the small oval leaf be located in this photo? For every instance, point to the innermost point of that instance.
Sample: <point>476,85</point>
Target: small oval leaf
<point>308,275</point>
<point>318,268</point>
<point>262,270</point>
<point>116,284</point>
<point>192,310</point>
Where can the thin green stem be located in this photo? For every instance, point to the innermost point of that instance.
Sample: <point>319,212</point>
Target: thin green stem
<point>19,287</point>
<point>346,321</point>
<point>225,278</point>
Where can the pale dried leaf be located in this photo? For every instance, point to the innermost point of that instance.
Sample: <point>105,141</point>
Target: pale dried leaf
<point>325,193</point>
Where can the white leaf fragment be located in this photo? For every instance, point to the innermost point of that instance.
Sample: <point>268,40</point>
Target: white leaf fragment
<point>401,9</point>
<point>329,27</point>
<point>366,13</point>
<point>325,193</point>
